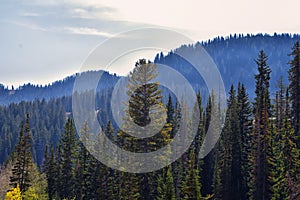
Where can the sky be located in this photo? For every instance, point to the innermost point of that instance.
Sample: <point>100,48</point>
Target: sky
<point>42,41</point>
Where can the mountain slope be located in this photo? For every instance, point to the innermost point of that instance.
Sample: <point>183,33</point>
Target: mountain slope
<point>235,57</point>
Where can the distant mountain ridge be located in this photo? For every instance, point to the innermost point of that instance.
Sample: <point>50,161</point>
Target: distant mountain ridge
<point>29,92</point>
<point>234,55</point>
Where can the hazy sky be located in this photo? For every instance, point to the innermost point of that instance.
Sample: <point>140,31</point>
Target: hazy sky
<point>45,40</point>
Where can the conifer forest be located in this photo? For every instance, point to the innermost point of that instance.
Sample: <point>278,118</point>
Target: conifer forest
<point>44,156</point>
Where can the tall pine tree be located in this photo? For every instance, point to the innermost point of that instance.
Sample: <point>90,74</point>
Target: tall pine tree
<point>294,88</point>
<point>244,111</point>
<point>23,159</point>
<point>260,186</point>
<point>68,158</point>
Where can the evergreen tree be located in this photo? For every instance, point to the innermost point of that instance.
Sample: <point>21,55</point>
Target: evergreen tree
<point>84,184</point>
<point>50,173</point>
<point>227,175</point>
<point>145,98</point>
<point>209,160</point>
<point>244,111</point>
<point>177,166</point>
<point>199,120</point>
<point>236,142</point>
<point>294,87</point>
<point>165,186</point>
<point>57,170</point>
<point>290,154</point>
<point>112,186</point>
<point>68,158</point>
<point>213,116</point>
<point>170,110</point>
<point>192,186</point>
<point>260,186</point>
<point>129,186</point>
<point>23,159</point>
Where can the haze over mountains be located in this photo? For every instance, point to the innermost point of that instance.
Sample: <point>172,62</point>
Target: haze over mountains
<point>234,56</point>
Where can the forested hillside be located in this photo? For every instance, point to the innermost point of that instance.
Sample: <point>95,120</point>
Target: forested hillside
<point>234,57</point>
<point>58,89</point>
<point>256,156</point>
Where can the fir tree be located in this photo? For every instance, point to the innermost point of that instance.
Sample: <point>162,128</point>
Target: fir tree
<point>227,161</point>
<point>192,186</point>
<point>23,159</point>
<point>68,158</point>
<point>84,175</point>
<point>294,88</point>
<point>244,111</point>
<point>260,186</point>
<point>209,160</point>
<point>165,186</point>
<point>145,98</point>
<point>50,173</point>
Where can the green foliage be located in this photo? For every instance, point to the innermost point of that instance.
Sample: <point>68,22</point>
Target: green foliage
<point>145,108</point>
<point>38,188</point>
<point>192,186</point>
<point>228,168</point>
<point>294,87</point>
<point>31,194</point>
<point>50,169</point>
<point>67,158</point>
<point>85,167</point>
<point>47,121</point>
<point>22,159</point>
<point>244,111</point>
<point>259,182</point>
<point>165,185</point>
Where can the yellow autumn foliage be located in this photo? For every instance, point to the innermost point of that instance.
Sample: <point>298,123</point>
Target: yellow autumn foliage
<point>14,194</point>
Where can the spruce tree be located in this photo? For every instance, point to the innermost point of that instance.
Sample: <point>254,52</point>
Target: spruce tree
<point>209,160</point>
<point>50,173</point>
<point>84,175</point>
<point>191,185</point>
<point>145,98</point>
<point>58,172</point>
<point>170,110</point>
<point>260,186</point>
<point>227,175</point>
<point>236,190</point>
<point>177,166</point>
<point>165,186</point>
<point>68,158</point>
<point>112,186</point>
<point>244,111</point>
<point>294,88</point>
<point>23,159</point>
<point>213,116</point>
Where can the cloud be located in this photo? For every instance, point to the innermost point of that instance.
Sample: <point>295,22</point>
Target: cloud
<point>87,31</point>
<point>91,12</point>
<point>26,25</point>
<point>30,14</point>
<point>82,13</point>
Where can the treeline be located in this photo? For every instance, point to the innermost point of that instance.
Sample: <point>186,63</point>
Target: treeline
<point>256,157</point>
<point>234,57</point>
<point>58,89</point>
<point>47,124</point>
<point>47,119</point>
